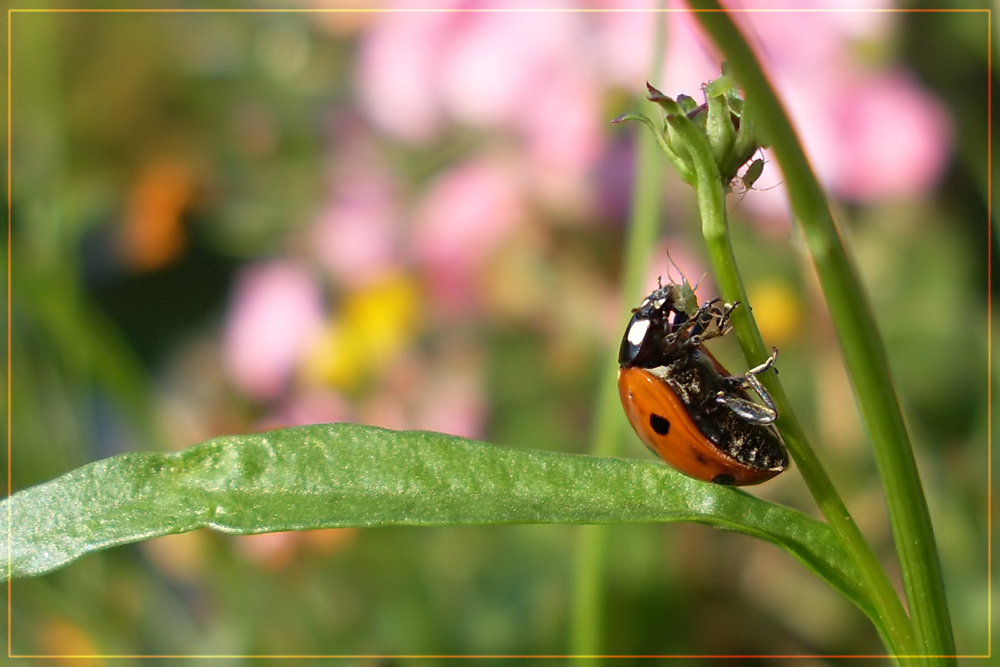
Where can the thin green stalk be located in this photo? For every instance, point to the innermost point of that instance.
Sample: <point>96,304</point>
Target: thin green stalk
<point>590,555</point>
<point>588,591</point>
<point>588,588</point>
<point>642,230</point>
<point>863,353</point>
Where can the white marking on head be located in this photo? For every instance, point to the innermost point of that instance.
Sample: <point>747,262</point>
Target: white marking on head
<point>637,332</point>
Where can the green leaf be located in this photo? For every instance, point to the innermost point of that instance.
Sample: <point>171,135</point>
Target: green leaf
<point>335,475</point>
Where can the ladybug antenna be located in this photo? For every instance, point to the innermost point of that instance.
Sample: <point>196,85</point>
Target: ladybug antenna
<point>670,262</point>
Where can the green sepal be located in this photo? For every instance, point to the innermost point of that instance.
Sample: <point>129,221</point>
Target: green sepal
<point>720,128</point>
<point>681,164</point>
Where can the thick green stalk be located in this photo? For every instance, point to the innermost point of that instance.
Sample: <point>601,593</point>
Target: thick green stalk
<point>892,624</point>
<point>863,351</point>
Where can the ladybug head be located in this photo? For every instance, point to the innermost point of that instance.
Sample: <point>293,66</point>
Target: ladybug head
<point>667,324</point>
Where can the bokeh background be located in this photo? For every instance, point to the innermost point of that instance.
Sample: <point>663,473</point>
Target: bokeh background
<point>226,222</point>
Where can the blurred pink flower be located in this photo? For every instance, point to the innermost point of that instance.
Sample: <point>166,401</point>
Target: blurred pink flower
<point>691,60</point>
<point>870,131</point>
<point>623,43</point>
<point>464,215</point>
<point>531,73</point>
<point>275,310</point>
<point>887,138</point>
<point>357,234</point>
<point>398,57</point>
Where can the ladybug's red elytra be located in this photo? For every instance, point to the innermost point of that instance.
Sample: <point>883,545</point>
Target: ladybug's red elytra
<point>683,404</point>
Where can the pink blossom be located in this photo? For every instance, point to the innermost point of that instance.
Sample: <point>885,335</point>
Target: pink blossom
<point>542,76</point>
<point>397,66</point>
<point>530,73</point>
<point>462,218</point>
<point>870,132</point>
<point>276,309</point>
<point>357,234</point>
<point>892,139</point>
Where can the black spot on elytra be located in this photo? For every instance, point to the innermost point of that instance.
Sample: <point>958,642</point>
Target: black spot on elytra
<point>660,424</point>
<point>724,479</point>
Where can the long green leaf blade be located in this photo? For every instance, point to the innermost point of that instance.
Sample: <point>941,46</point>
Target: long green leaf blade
<point>337,475</point>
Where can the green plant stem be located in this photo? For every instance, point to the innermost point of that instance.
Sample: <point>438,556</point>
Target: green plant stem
<point>588,588</point>
<point>866,363</point>
<point>591,551</point>
<point>588,592</point>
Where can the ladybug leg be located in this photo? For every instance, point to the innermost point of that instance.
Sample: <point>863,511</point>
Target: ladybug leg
<point>744,407</point>
<point>710,321</point>
<point>764,366</point>
<point>748,409</point>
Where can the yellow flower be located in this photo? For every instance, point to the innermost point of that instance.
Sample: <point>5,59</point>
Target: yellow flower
<point>373,326</point>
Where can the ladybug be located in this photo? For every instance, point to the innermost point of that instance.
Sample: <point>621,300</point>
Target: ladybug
<point>683,404</point>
